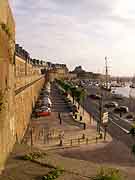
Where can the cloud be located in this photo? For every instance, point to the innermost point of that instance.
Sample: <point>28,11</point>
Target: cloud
<point>78,32</point>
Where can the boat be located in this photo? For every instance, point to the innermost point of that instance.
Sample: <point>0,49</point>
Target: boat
<point>106,89</point>
<point>133,83</point>
<point>116,85</point>
<point>132,86</point>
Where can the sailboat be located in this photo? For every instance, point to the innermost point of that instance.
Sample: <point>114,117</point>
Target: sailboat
<point>133,83</point>
<point>107,85</point>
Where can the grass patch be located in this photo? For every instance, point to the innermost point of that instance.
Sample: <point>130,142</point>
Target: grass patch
<point>34,155</point>
<point>108,174</point>
<point>52,175</point>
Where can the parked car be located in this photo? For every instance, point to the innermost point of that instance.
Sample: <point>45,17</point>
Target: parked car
<point>74,108</point>
<point>94,96</point>
<point>46,101</point>
<point>117,96</point>
<point>122,109</point>
<point>111,105</point>
<point>43,111</point>
<point>130,116</point>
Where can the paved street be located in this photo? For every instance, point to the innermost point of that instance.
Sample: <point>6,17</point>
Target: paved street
<point>117,127</point>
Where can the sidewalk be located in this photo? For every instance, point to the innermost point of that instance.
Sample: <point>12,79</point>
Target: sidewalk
<point>48,133</point>
<point>86,117</point>
<point>72,132</point>
<point>81,161</point>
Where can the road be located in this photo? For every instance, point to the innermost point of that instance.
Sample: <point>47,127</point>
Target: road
<point>117,127</point>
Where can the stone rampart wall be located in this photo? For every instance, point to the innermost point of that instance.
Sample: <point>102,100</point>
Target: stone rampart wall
<point>24,102</point>
<point>17,93</point>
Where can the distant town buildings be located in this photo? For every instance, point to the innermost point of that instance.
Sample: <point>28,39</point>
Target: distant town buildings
<point>25,65</point>
<point>79,73</point>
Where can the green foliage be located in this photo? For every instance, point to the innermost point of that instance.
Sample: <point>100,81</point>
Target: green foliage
<point>133,149</point>
<point>132,130</point>
<point>5,29</point>
<point>53,174</point>
<point>33,155</point>
<point>1,100</point>
<point>108,174</point>
<point>76,93</point>
<point>66,87</point>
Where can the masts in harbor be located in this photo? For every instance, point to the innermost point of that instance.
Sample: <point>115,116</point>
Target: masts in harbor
<point>106,72</point>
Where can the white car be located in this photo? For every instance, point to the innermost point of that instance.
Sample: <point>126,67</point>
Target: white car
<point>47,101</point>
<point>45,108</point>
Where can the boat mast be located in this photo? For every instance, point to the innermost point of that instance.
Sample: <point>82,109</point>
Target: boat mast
<point>106,72</point>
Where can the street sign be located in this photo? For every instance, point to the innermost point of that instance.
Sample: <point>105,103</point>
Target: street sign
<point>105,117</point>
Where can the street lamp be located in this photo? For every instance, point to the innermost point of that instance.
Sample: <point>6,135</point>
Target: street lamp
<point>100,113</point>
<point>83,98</point>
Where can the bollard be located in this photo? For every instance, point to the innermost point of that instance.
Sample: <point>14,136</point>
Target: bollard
<point>105,131</point>
<point>84,126</point>
<point>31,136</point>
<point>83,136</point>
<point>61,143</point>
<point>71,142</point>
<point>78,141</point>
<point>44,136</point>
<point>42,133</point>
<point>80,118</point>
<point>100,136</point>
<point>87,141</point>
<point>96,139</point>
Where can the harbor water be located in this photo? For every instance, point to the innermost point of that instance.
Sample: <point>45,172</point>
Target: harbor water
<point>124,91</point>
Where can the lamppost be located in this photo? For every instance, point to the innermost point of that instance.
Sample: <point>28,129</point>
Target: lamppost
<point>103,118</point>
<point>83,98</point>
<point>100,113</point>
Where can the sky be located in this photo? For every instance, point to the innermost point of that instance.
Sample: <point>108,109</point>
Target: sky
<point>79,32</point>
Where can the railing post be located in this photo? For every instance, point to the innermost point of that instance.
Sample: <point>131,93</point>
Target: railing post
<point>31,137</point>
<point>44,137</point>
<point>87,141</point>
<point>78,141</point>
<point>96,139</point>
<point>71,142</point>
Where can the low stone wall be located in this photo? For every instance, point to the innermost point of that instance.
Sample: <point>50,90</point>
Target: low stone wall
<point>25,80</point>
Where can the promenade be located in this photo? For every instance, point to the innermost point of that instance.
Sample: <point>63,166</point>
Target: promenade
<point>80,160</point>
<point>48,132</point>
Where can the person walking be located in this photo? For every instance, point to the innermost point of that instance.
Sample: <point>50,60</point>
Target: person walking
<point>59,115</point>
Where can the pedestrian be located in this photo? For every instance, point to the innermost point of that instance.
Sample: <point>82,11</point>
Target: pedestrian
<point>83,136</point>
<point>47,138</point>
<point>60,118</point>
<point>120,114</point>
<point>62,134</point>
<point>61,142</point>
<point>59,115</point>
<point>84,126</point>
<point>59,136</point>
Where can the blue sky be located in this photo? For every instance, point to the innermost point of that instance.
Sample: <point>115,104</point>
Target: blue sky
<point>79,32</point>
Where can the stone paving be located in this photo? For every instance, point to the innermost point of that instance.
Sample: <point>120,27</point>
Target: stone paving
<point>48,132</point>
<point>79,161</point>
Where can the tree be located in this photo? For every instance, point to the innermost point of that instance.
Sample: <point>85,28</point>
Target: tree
<point>132,130</point>
<point>79,95</point>
<point>73,92</point>
<point>66,87</point>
